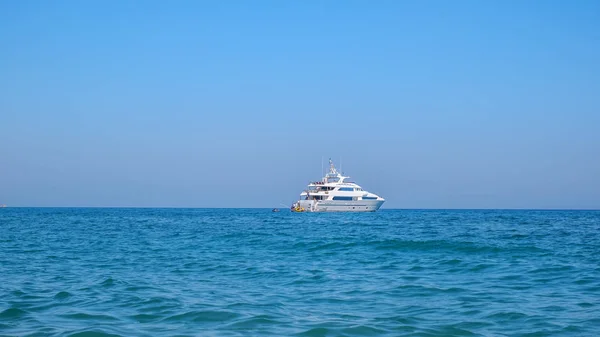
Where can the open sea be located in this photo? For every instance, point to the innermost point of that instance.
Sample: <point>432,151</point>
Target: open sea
<point>251,272</point>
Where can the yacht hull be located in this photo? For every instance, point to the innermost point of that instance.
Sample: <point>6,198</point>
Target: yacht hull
<point>341,206</point>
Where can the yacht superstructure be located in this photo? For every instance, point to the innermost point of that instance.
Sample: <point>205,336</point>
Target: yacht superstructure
<point>335,193</point>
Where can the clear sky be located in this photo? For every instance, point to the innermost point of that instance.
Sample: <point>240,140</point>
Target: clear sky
<point>431,104</point>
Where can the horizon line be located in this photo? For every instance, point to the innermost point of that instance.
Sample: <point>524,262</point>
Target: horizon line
<point>382,209</point>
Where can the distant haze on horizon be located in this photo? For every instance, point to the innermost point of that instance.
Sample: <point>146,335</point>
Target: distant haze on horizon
<point>430,104</point>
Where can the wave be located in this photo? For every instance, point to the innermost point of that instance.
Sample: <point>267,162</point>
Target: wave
<point>466,247</point>
<point>204,316</point>
<point>13,313</point>
<point>91,333</point>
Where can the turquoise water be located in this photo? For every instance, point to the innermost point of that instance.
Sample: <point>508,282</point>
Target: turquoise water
<point>251,272</point>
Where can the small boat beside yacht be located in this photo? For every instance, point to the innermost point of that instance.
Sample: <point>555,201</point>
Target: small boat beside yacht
<point>335,193</point>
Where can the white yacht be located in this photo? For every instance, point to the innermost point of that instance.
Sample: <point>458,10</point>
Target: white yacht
<point>334,193</point>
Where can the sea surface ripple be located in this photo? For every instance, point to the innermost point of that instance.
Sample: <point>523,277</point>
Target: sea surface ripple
<point>251,272</point>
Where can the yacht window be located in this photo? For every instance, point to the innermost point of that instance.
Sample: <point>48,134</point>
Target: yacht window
<point>369,198</point>
<point>346,189</point>
<point>342,198</point>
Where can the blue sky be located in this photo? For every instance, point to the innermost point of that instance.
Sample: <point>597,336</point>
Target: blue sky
<point>432,104</point>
